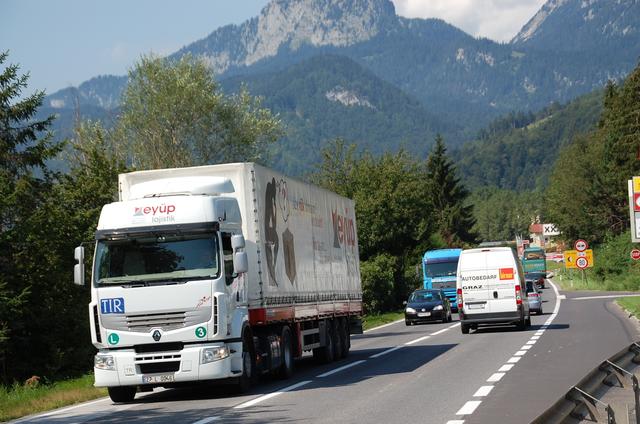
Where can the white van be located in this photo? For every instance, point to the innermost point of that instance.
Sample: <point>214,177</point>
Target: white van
<point>491,289</point>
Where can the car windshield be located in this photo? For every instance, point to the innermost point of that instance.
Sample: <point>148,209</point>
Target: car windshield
<point>156,258</point>
<point>425,297</point>
<point>441,269</point>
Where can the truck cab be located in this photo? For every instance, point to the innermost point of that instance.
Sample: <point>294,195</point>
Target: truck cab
<point>439,272</point>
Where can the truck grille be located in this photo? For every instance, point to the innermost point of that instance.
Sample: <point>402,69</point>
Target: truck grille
<point>164,320</point>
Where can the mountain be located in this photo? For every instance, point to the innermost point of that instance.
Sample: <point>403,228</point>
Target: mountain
<point>518,151</point>
<point>331,96</point>
<point>462,83</point>
<point>594,25</point>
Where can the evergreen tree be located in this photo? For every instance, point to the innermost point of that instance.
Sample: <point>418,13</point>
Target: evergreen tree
<point>25,146</point>
<point>453,216</point>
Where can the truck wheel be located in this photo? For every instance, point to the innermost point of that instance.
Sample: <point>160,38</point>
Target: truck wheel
<point>248,365</point>
<point>465,328</point>
<point>326,354</point>
<point>286,369</point>
<point>122,394</point>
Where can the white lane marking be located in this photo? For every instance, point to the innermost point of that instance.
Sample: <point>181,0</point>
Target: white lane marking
<point>531,342</point>
<point>382,326</point>
<point>483,391</point>
<point>454,325</point>
<point>514,359</point>
<point>271,395</point>
<point>328,373</point>
<point>520,353</point>
<point>417,340</point>
<point>526,347</point>
<point>439,332</point>
<point>207,420</point>
<point>612,296</point>
<point>377,355</point>
<point>505,368</point>
<point>562,297</point>
<point>535,337</point>
<point>469,407</point>
<point>455,422</point>
<point>539,333</point>
<point>495,377</point>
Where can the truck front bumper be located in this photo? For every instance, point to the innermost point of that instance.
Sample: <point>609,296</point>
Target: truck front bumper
<point>161,368</point>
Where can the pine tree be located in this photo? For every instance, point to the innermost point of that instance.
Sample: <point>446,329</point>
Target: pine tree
<point>453,217</point>
<point>23,150</point>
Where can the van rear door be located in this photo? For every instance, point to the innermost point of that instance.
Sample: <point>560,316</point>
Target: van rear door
<point>502,290</point>
<point>475,279</point>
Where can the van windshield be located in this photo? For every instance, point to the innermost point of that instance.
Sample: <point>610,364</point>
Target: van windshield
<point>154,258</point>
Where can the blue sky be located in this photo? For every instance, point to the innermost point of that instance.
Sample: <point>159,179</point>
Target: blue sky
<point>65,42</point>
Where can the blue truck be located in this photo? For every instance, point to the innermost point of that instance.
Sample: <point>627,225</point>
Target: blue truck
<point>439,272</point>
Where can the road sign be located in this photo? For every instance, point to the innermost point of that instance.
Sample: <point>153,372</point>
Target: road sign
<point>550,230</point>
<point>571,258</point>
<point>634,208</point>
<point>582,262</point>
<point>635,254</point>
<point>581,245</point>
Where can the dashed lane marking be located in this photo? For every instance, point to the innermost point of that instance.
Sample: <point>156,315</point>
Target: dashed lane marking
<point>328,373</point>
<point>483,391</point>
<point>271,395</point>
<point>469,407</point>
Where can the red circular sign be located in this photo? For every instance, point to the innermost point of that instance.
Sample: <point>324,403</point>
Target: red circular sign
<point>581,245</point>
<point>582,262</point>
<point>635,254</point>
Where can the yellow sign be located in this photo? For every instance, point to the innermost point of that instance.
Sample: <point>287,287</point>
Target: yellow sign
<point>636,184</point>
<point>571,256</point>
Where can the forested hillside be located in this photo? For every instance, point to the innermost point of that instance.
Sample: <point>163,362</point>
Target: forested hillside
<point>518,151</point>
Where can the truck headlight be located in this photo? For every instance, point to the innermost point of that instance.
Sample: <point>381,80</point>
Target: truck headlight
<point>410,311</point>
<point>104,362</point>
<point>438,308</point>
<point>211,354</point>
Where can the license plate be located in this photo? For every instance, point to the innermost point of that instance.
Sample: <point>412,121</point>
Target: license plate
<point>424,314</point>
<point>476,306</point>
<point>154,379</point>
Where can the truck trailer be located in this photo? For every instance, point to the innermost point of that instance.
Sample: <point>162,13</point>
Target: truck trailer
<point>219,274</point>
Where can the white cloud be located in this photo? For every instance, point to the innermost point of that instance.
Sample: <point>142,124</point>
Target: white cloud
<point>498,20</point>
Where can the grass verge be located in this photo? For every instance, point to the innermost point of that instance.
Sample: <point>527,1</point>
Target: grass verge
<point>18,400</point>
<point>631,305</point>
<point>371,321</point>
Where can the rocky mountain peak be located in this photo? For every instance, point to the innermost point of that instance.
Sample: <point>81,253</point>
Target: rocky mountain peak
<point>292,24</point>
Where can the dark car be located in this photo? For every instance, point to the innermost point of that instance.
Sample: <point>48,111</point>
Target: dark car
<point>426,306</point>
<point>538,278</point>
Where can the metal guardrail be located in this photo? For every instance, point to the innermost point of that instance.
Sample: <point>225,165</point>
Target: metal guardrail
<point>582,399</point>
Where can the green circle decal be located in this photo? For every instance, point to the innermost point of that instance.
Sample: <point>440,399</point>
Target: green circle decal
<point>113,339</point>
<point>201,332</point>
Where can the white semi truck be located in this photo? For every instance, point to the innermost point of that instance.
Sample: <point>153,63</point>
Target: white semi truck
<point>219,273</point>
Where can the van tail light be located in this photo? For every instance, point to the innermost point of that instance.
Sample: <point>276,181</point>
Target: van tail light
<point>459,294</point>
<point>518,295</point>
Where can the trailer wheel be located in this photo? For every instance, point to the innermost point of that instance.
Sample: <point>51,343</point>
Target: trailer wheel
<point>337,339</point>
<point>286,369</point>
<point>122,394</point>
<point>326,354</point>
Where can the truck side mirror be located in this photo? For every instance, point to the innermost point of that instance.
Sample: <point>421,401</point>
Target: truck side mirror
<point>237,242</point>
<point>78,269</point>
<point>240,262</point>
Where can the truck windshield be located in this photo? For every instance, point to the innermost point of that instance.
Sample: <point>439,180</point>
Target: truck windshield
<point>441,269</point>
<point>156,258</point>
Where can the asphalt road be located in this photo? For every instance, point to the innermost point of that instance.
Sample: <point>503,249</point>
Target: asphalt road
<point>397,374</point>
